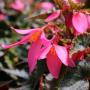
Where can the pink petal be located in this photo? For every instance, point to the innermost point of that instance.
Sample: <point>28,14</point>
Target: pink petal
<point>2,17</point>
<point>33,54</point>
<point>53,16</point>
<point>25,31</point>
<point>80,22</point>
<point>9,46</point>
<point>18,5</point>
<point>45,52</point>
<point>47,5</point>
<point>22,41</point>
<point>46,46</point>
<point>63,55</point>
<point>54,64</point>
<point>48,42</point>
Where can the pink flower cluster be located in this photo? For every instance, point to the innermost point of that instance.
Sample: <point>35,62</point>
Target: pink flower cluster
<point>19,5</point>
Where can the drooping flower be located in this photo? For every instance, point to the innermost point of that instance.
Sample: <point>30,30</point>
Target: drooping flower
<point>56,55</point>
<point>32,35</point>
<point>42,48</point>
<point>35,36</point>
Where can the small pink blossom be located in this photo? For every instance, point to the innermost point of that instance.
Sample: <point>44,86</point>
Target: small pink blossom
<point>47,6</point>
<point>18,5</point>
<point>53,16</point>
<point>2,17</point>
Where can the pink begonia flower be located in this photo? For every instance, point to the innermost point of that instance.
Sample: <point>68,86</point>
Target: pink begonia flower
<point>53,16</point>
<point>18,5</point>
<point>36,37</point>
<point>43,48</point>
<point>56,55</point>
<point>80,22</point>
<point>2,17</point>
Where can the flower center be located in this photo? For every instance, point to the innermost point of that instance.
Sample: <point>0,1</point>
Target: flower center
<point>35,36</point>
